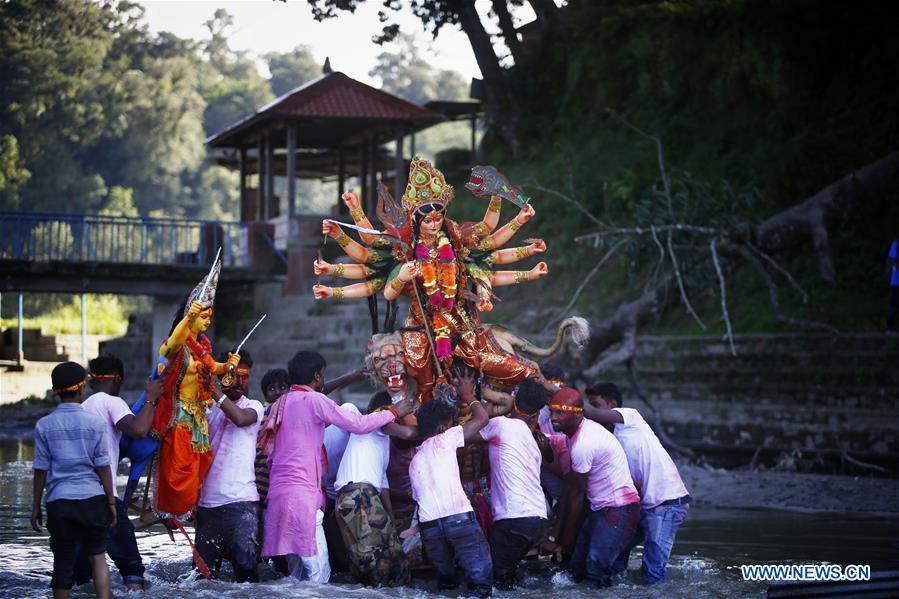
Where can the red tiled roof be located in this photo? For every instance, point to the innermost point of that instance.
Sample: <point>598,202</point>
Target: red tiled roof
<point>333,96</point>
<point>337,96</point>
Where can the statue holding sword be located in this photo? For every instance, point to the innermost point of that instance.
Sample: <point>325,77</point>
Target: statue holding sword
<point>179,422</point>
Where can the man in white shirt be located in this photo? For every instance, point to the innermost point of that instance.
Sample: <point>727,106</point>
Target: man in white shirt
<point>106,374</point>
<point>519,507</point>
<point>228,514</point>
<point>449,529</point>
<point>599,472</point>
<point>363,510</point>
<point>664,500</point>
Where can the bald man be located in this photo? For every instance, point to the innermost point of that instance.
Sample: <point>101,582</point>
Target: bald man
<point>599,473</point>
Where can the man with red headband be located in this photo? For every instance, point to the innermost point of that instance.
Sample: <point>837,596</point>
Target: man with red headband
<point>599,471</point>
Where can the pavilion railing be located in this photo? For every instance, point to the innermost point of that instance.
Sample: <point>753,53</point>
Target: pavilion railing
<point>48,237</point>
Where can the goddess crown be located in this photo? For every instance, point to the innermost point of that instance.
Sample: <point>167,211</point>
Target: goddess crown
<point>426,186</point>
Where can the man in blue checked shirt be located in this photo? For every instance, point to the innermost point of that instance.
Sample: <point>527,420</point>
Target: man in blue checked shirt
<point>71,458</point>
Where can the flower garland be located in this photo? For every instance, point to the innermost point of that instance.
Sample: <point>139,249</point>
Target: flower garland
<point>439,278</point>
<point>201,353</point>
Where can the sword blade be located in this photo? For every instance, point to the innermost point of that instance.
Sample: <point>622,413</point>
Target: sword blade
<point>202,295</point>
<point>259,322</point>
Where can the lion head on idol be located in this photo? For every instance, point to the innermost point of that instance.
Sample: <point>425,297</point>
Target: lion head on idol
<point>385,363</point>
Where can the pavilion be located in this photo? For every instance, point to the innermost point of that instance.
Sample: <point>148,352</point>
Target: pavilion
<point>330,128</point>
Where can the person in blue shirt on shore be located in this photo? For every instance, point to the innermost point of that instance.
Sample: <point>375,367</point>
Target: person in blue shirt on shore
<point>893,309</point>
<point>71,458</point>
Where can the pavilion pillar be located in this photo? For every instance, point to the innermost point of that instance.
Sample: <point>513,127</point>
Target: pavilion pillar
<point>412,146</point>
<point>269,175</point>
<point>243,184</point>
<point>398,168</point>
<point>341,180</point>
<point>260,178</point>
<point>291,170</point>
<point>373,183</point>
<point>363,172</point>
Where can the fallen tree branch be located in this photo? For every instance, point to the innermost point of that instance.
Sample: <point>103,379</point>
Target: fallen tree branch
<point>583,284</point>
<point>774,300</point>
<point>845,455</point>
<point>730,331</point>
<point>566,198</point>
<point>685,228</point>
<point>808,220</point>
<point>660,156</point>
<point>786,274</point>
<point>680,284</point>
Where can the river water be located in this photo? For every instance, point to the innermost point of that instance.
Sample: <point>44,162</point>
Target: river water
<point>710,546</point>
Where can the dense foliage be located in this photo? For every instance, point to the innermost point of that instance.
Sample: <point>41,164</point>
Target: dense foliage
<point>98,114</point>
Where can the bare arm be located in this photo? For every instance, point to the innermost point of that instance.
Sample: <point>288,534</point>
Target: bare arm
<point>385,500</point>
<point>500,278</point>
<point>239,416</point>
<point>570,510</point>
<point>345,379</point>
<point>602,416</point>
<point>479,419</point>
<point>510,255</point>
<point>354,291</point>
<point>353,249</point>
<point>499,402</point>
<point>395,286</point>
<point>354,204</point>
<point>105,474</point>
<point>37,519</point>
<point>347,271</point>
<point>507,231</point>
<point>181,331</point>
<point>491,217</point>
<point>137,426</point>
<point>401,431</point>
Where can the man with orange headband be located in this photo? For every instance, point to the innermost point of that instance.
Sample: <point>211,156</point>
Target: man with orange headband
<point>106,374</point>
<point>599,471</point>
<point>71,457</point>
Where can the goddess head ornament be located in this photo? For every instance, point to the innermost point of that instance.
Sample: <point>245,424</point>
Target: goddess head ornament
<point>204,292</point>
<point>426,187</point>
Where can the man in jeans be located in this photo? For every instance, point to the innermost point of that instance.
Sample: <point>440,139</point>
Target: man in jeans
<point>519,507</point>
<point>71,457</point>
<point>106,374</point>
<point>448,525</point>
<point>598,471</point>
<point>664,502</point>
<point>228,516</point>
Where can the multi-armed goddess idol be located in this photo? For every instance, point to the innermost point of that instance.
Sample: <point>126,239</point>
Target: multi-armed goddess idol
<point>447,268</point>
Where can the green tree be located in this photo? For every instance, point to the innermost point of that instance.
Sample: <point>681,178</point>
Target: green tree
<point>291,69</point>
<point>233,87</point>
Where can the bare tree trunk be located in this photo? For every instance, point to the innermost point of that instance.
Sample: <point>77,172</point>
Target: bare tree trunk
<point>500,106</point>
<point>808,220</point>
<point>507,26</point>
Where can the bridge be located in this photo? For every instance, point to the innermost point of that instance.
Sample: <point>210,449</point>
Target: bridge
<point>95,253</point>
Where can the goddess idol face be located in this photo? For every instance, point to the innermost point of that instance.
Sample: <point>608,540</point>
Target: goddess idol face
<point>202,321</point>
<point>431,219</point>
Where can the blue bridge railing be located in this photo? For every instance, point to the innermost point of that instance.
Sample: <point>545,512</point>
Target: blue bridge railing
<point>47,237</point>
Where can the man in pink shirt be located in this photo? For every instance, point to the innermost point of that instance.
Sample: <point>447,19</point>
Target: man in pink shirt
<point>664,500</point>
<point>519,508</point>
<point>228,513</point>
<point>449,529</point>
<point>598,471</point>
<point>293,514</point>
